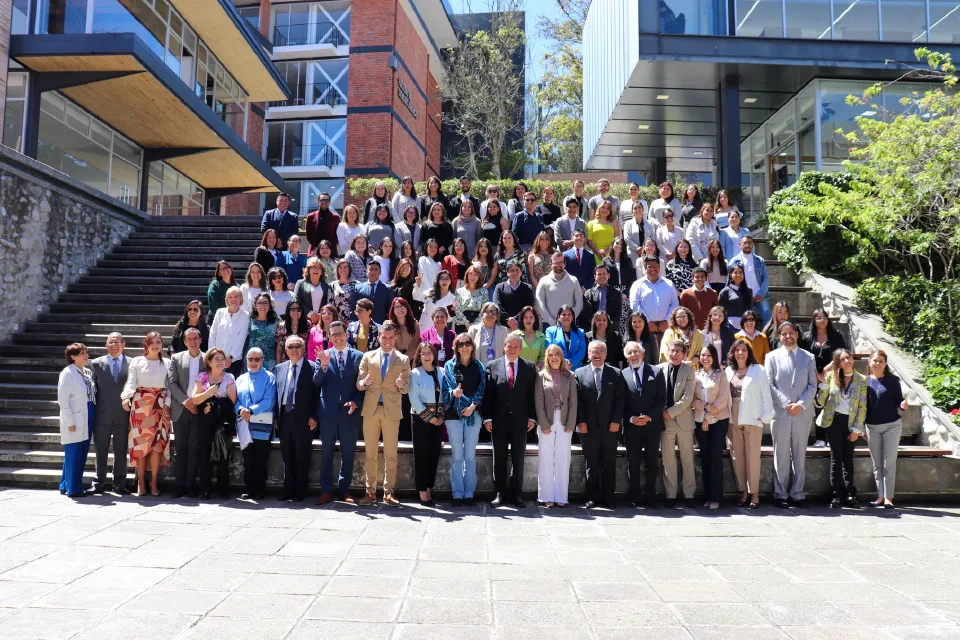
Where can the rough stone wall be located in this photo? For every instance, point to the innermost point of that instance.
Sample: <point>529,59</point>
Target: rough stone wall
<point>54,230</point>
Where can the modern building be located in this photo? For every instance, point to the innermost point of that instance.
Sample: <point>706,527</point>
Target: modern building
<point>148,101</point>
<point>750,91</point>
<point>365,78</point>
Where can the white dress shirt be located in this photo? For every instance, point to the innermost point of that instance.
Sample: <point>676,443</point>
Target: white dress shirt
<point>229,332</point>
<point>195,363</point>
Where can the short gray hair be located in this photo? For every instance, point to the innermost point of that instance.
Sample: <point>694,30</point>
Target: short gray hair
<point>512,337</point>
<point>294,339</point>
<point>634,343</point>
<point>596,344</point>
<point>255,351</point>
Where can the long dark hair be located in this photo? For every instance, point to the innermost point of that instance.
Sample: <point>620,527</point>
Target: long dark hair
<point>709,346</point>
<point>593,324</point>
<point>833,335</point>
<point>439,187</point>
<point>435,294</point>
<point>410,324</point>
<point>277,271</point>
<point>233,273</point>
<point>536,318</point>
<point>271,313</point>
<point>413,187</point>
<point>302,325</point>
<point>517,249</point>
<point>398,280</point>
<point>842,381</point>
<point>772,328</point>
<point>389,220</point>
<point>491,260</point>
<point>743,288</point>
<point>184,322</point>
<point>721,260</point>
<point>676,253</point>
<point>148,339</point>
<point>645,334</point>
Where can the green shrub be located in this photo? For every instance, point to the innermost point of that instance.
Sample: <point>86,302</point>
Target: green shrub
<point>941,376</point>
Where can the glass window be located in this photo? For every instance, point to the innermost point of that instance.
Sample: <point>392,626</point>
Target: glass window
<point>13,111</point>
<point>783,167</point>
<point>760,19</point>
<point>63,16</point>
<point>131,16</point>
<point>303,195</point>
<point>780,127</point>
<point>126,150</point>
<point>174,52</point>
<point>21,11</point>
<point>904,20</point>
<point>806,103</point>
<point>808,149</point>
<point>327,82</point>
<point>704,17</point>
<point>855,20</point>
<point>838,118</point>
<point>808,19</point>
<point>944,21</point>
<point>124,181</point>
<point>251,15</point>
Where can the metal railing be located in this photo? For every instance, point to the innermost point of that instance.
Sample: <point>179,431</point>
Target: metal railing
<point>314,155</point>
<point>304,33</point>
<point>312,93</point>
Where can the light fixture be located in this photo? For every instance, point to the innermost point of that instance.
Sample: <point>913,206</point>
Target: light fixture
<point>868,113</point>
<point>663,96</point>
<point>749,100</point>
<point>628,151</point>
<point>643,127</point>
<point>783,154</point>
<point>698,153</point>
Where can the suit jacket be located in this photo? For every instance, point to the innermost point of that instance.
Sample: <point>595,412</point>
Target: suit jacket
<point>178,381</point>
<point>583,270</point>
<point>598,408</point>
<point>303,293</point>
<point>109,405</point>
<point>561,228</point>
<point>305,396</point>
<point>381,301</point>
<point>510,301</point>
<point>649,401</point>
<point>510,408</point>
<point>591,304</point>
<point>789,384</point>
<point>399,365</point>
<point>286,224</point>
<point>318,229</point>
<point>453,209</point>
<point>684,391</point>
<point>546,397</point>
<point>339,386</point>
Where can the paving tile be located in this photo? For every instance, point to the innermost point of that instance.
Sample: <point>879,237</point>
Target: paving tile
<point>449,589</point>
<point>542,614</point>
<point>696,591</point>
<point>714,613</point>
<point>615,591</point>
<point>365,586</point>
<point>629,614</point>
<point>46,623</point>
<point>124,625</point>
<point>239,629</point>
<point>177,601</point>
<point>283,583</point>
<point>354,609</point>
<point>262,605</point>
<point>441,632</point>
<point>337,630</point>
<point>431,611</point>
<point>533,591</point>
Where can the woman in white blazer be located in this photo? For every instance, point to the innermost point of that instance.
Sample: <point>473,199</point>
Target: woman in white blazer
<point>76,396</point>
<point>751,408</point>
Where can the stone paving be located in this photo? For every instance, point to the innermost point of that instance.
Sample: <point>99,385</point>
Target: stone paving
<point>107,568</point>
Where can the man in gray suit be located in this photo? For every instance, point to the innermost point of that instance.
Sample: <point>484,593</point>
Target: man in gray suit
<point>793,385</point>
<point>109,376</point>
<point>565,226</point>
<point>182,371</point>
<point>679,425</point>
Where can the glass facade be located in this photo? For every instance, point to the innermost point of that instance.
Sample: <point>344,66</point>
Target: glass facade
<point>14,110</point>
<point>315,82</point>
<point>170,193</point>
<point>307,143</point>
<point>303,195</point>
<point>299,24</point>
<point>869,20</point>
<point>74,142</point>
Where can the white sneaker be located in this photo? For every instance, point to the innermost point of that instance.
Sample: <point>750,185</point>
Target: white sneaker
<point>819,444</point>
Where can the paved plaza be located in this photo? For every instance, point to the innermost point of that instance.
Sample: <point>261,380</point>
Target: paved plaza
<point>112,569</point>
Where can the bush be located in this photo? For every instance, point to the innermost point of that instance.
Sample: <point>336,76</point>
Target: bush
<point>941,377</point>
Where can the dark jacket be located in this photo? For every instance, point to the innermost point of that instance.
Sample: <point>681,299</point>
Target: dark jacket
<point>599,410</point>
<point>591,304</point>
<point>651,399</point>
<point>322,228</point>
<point>336,387</point>
<point>510,408</point>
<point>583,270</point>
<point>286,224</point>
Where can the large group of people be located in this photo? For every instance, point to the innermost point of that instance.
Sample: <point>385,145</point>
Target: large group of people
<point>589,322</point>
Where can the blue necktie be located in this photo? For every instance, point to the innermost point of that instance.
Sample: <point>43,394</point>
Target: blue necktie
<point>291,389</point>
<point>636,376</point>
<point>340,362</point>
<point>115,369</point>
<point>383,370</point>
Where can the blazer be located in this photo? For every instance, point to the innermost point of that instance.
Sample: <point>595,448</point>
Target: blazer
<point>178,380</point>
<point>72,398</point>
<point>453,205</point>
<point>599,408</point>
<point>381,300</point>
<point>499,337</point>
<point>510,408</point>
<point>684,394</point>
<point>828,397</point>
<point>303,294</point>
<point>756,403</point>
<point>578,344</point>
<point>546,397</point>
<point>648,401</point>
<point>321,228</point>
<point>561,228</point>
<point>337,387</point>
<point>398,366</point>
<point>373,335</point>
<point>424,394</point>
<point>789,384</point>
<point>717,395</point>
<point>109,404</point>
<point>286,224</point>
<point>694,346</point>
<point>305,395</point>
<point>591,304</point>
<point>583,270</point>
<point>263,257</point>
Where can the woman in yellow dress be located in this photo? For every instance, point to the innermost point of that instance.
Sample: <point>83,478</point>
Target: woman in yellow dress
<point>602,230</point>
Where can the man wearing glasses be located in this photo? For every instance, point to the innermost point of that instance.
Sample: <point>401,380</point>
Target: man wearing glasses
<point>528,224</point>
<point>322,225</point>
<point>296,418</point>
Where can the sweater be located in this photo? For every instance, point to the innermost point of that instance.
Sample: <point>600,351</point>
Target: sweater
<point>884,396</point>
<point>699,303</point>
<point>470,230</point>
<point>552,294</point>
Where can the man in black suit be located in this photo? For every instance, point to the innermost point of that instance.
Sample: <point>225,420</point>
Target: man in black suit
<point>599,414</point>
<point>601,297</point>
<point>511,413</point>
<point>580,261</point>
<point>512,296</point>
<point>380,294</point>
<point>644,401</point>
<point>296,418</point>
<point>465,185</point>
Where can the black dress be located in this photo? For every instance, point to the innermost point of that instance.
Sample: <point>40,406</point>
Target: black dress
<point>176,341</point>
<point>492,229</point>
<point>442,233</point>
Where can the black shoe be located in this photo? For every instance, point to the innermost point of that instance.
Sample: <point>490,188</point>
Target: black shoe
<point>121,491</point>
<point>590,504</point>
<point>690,503</point>
<point>456,502</point>
<point>224,495</point>
<point>781,503</point>
<point>428,503</point>
<point>888,505</point>
<point>246,496</point>
<point>469,502</point>
<point>800,504</point>
<point>496,502</point>
<point>205,495</point>
<point>519,503</point>
<point>835,504</point>
<point>259,495</point>
<point>284,498</point>
<point>610,505</point>
<point>651,504</point>
<point>176,495</point>
<point>669,503</point>
<point>96,490</point>
<point>852,503</point>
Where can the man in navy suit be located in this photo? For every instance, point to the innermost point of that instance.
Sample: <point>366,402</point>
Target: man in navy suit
<point>644,401</point>
<point>376,292</point>
<point>580,261</point>
<point>296,411</point>
<point>286,223</point>
<point>339,411</point>
<point>599,414</point>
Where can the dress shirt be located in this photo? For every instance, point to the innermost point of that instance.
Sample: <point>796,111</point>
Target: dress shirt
<point>296,368</point>
<point>119,365</point>
<point>655,299</point>
<point>229,332</point>
<point>195,362</point>
<point>750,273</point>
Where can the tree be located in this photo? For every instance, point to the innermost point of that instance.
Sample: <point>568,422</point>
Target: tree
<point>559,95</point>
<point>485,88</point>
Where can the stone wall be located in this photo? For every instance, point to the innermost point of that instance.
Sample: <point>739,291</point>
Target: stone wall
<point>53,230</point>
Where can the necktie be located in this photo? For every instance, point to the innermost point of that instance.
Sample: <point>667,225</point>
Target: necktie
<point>383,370</point>
<point>511,377</point>
<point>636,376</point>
<point>578,256</point>
<point>373,290</point>
<point>596,378</point>
<point>340,362</point>
<point>793,358</point>
<point>115,369</point>
<point>603,299</point>
<point>291,388</point>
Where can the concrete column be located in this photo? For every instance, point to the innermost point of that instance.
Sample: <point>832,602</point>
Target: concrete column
<point>728,133</point>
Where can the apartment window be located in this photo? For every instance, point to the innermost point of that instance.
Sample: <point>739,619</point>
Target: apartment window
<point>299,24</point>
<point>303,195</point>
<point>14,110</point>
<point>315,82</point>
<point>251,15</point>
<point>307,143</point>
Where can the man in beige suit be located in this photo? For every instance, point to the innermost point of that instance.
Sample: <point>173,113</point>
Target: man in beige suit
<point>678,420</point>
<point>384,377</point>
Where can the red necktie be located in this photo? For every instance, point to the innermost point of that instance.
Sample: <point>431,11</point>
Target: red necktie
<point>578,256</point>
<point>511,377</point>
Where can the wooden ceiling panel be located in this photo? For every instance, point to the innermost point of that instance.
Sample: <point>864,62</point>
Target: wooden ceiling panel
<point>81,63</point>
<point>220,169</point>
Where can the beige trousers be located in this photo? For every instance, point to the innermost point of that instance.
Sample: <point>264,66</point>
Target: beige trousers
<point>744,440</point>
<point>373,427</point>
<point>675,436</point>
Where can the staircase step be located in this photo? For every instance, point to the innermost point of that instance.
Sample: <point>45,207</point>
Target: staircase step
<point>33,439</point>
<point>45,326</point>
<point>158,312</point>
<point>202,245</point>
<point>33,421</point>
<point>234,234</point>
<point>163,292</point>
<point>66,338</point>
<point>194,252</point>
<point>23,475</point>
<point>41,405</point>
<point>95,350</point>
<point>122,317</point>
<point>167,262</point>
<point>199,221</point>
<point>19,390</point>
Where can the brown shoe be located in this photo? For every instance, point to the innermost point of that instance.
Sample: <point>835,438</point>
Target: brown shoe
<point>390,500</point>
<point>346,497</point>
<point>324,499</point>
<point>368,500</point>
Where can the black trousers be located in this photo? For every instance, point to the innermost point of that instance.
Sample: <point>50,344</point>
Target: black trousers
<point>235,368</point>
<point>296,444</point>
<point>643,449</point>
<point>406,429</point>
<point>600,455</point>
<point>192,451</point>
<point>102,433</point>
<point>427,445</point>
<point>711,444</point>
<point>515,438</point>
<point>841,458</point>
<point>255,466</point>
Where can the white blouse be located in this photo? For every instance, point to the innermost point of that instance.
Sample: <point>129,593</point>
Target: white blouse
<point>346,234</point>
<point>149,374</point>
<point>249,295</point>
<point>229,332</point>
<point>280,300</point>
<point>429,269</point>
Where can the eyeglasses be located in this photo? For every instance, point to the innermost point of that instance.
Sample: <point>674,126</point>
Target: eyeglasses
<point>295,347</point>
<point>529,199</point>
<point>263,303</point>
<point>324,200</point>
<point>193,310</point>
<point>254,359</point>
<point>289,309</point>
<point>665,216</point>
<point>276,277</point>
<point>490,312</point>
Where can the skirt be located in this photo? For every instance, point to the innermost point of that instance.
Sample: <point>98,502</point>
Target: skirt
<point>149,428</point>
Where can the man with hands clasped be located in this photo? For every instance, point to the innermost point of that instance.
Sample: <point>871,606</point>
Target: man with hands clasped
<point>338,411</point>
<point>296,418</point>
<point>384,377</point>
<point>644,400</point>
<point>599,414</point>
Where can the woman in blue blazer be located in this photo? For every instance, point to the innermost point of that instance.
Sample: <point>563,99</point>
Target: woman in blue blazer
<point>570,338</point>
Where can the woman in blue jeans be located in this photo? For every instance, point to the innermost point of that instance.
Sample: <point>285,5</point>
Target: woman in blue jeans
<point>463,382</point>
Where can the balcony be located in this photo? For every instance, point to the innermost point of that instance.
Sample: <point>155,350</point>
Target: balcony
<point>308,38</point>
<point>310,100</point>
<point>302,161</point>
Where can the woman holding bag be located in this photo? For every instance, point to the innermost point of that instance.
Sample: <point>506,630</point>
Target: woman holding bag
<point>214,394</point>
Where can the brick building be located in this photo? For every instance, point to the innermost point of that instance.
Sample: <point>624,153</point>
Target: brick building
<point>365,80</point>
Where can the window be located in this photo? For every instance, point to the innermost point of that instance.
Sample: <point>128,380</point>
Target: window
<point>944,21</point>
<point>170,193</point>
<point>299,24</point>
<point>13,112</point>
<point>904,20</point>
<point>808,19</point>
<point>310,143</point>
<point>760,18</point>
<point>315,82</point>
<point>251,15</point>
<point>855,20</point>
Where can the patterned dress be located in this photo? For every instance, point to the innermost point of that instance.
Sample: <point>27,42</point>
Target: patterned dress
<point>468,307</point>
<point>263,334</point>
<point>680,273</point>
<point>146,389</point>
<point>521,257</point>
<point>541,265</point>
<point>343,299</point>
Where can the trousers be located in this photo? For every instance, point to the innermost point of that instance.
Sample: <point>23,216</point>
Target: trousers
<point>427,445</point>
<point>600,455</point>
<point>331,430</point>
<point>676,437</point>
<point>884,440</point>
<point>463,457</point>
<point>744,442</point>
<point>254,467</point>
<point>296,445</point>
<point>643,451</point>
<point>102,433</point>
<point>553,465</point>
<point>790,435</point>
<point>192,451</point>
<point>375,427</point>
<point>841,458</point>
<point>712,443</point>
<point>514,438</point>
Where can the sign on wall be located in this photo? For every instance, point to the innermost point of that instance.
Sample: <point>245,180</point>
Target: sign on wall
<point>404,94</point>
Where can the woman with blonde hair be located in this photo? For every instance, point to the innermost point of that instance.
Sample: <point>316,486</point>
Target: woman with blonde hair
<point>601,231</point>
<point>556,403</point>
